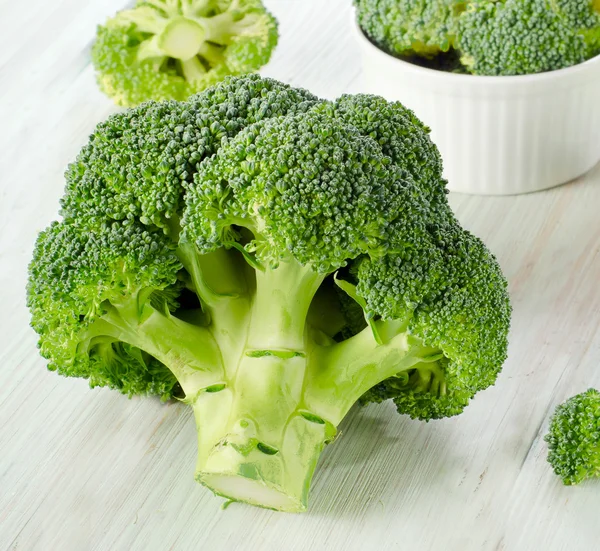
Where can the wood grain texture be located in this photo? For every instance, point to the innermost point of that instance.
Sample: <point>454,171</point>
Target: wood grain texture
<point>85,469</point>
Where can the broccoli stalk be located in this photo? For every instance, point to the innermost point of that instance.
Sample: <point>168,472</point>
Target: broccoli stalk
<point>186,35</point>
<point>286,388</point>
<point>270,259</point>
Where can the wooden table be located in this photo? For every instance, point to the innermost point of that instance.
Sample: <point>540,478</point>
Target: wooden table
<point>85,469</point>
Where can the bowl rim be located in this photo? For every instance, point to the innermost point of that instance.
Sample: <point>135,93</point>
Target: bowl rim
<point>460,78</point>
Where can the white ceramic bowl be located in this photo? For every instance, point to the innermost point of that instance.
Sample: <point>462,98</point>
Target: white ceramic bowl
<point>498,135</point>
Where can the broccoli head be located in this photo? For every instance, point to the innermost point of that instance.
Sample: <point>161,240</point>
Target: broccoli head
<point>171,49</point>
<point>271,259</point>
<point>574,438</point>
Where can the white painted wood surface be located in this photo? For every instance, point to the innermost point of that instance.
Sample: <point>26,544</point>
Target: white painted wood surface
<point>85,469</point>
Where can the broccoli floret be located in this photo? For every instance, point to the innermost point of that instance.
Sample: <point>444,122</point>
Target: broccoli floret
<point>574,438</point>
<point>457,304</point>
<point>515,37</point>
<point>404,27</point>
<point>272,259</point>
<point>171,49</point>
<point>403,138</point>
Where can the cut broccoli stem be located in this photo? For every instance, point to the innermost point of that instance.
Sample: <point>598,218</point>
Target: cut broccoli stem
<point>168,7</point>
<point>212,53</point>
<point>263,448</point>
<point>246,451</point>
<point>182,33</point>
<point>260,436</point>
<point>181,38</point>
<point>256,441</point>
<point>192,69</point>
<point>145,18</point>
<point>222,28</point>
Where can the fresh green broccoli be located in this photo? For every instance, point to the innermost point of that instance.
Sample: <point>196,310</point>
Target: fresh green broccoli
<point>516,37</point>
<point>574,438</point>
<point>403,27</point>
<point>171,49</point>
<point>485,37</point>
<point>270,259</point>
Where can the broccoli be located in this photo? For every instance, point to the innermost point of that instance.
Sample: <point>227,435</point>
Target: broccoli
<point>172,49</point>
<point>515,37</point>
<point>404,27</point>
<point>574,438</point>
<point>270,259</point>
<point>485,37</point>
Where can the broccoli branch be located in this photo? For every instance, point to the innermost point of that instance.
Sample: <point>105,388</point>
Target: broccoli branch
<point>189,351</point>
<point>341,373</point>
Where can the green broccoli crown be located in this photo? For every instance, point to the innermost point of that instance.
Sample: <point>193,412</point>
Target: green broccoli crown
<point>454,300</point>
<point>579,14</point>
<point>574,438</point>
<point>136,163</point>
<point>425,27</point>
<point>515,37</point>
<point>163,49</point>
<point>269,256</point>
<point>402,137</point>
<point>304,185</point>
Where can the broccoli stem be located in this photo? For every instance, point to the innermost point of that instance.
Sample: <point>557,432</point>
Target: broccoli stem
<point>262,446</point>
<point>266,390</point>
<point>183,32</point>
<point>280,307</point>
<point>194,8</point>
<point>181,38</point>
<point>192,69</point>
<point>256,447</point>
<point>222,28</point>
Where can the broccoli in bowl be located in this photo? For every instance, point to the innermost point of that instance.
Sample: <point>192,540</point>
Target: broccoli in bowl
<point>485,37</point>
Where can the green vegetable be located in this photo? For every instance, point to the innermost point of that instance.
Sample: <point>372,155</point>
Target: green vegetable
<point>485,37</point>
<point>515,37</point>
<point>171,49</point>
<point>404,27</point>
<point>271,259</point>
<point>574,438</point>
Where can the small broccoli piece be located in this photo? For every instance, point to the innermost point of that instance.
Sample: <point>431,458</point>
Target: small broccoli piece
<point>273,259</point>
<point>404,27</point>
<point>516,37</point>
<point>574,438</point>
<point>166,49</point>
